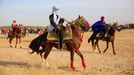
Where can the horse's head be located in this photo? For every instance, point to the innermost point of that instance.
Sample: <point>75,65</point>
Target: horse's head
<point>77,26</point>
<point>20,28</point>
<point>80,23</point>
<point>116,27</point>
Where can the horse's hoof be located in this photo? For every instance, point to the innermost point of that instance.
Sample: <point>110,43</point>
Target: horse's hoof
<point>20,46</point>
<point>11,46</point>
<point>88,41</point>
<point>45,65</point>
<point>84,68</point>
<point>72,67</point>
<point>15,47</point>
<point>114,53</point>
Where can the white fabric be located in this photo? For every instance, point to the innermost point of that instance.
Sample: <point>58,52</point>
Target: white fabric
<point>55,18</point>
<point>56,7</point>
<point>50,28</point>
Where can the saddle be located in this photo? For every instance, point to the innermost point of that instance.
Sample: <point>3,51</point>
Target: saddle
<point>102,34</point>
<point>52,36</point>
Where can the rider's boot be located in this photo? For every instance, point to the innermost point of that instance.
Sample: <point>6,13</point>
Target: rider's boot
<point>61,40</point>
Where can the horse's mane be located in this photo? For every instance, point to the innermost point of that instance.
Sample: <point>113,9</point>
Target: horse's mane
<point>77,29</point>
<point>112,29</point>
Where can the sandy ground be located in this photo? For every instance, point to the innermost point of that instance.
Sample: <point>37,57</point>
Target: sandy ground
<point>16,61</point>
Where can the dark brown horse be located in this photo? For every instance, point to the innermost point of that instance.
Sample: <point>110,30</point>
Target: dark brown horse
<point>110,37</point>
<point>16,34</point>
<point>72,45</point>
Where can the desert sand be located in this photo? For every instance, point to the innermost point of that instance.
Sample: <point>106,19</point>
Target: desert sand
<point>16,61</point>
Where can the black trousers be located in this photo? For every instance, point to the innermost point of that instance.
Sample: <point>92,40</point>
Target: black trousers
<point>60,34</point>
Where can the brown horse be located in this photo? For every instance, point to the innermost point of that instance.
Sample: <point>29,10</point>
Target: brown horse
<point>110,37</point>
<point>72,45</point>
<point>16,34</point>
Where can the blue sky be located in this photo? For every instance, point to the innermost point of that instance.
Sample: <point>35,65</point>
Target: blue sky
<point>36,12</point>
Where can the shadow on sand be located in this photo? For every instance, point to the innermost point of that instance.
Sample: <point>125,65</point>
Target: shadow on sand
<point>12,63</point>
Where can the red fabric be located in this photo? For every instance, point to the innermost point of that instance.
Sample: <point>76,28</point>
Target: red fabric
<point>87,24</point>
<point>6,31</point>
<point>14,21</point>
<point>72,66</point>
<point>102,19</point>
<point>81,38</point>
<point>83,63</point>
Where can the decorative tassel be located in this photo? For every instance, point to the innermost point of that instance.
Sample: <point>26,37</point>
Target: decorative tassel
<point>83,63</point>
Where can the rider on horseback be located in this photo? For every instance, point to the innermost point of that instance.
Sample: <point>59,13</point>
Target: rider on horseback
<point>99,26</point>
<point>14,27</point>
<point>56,24</point>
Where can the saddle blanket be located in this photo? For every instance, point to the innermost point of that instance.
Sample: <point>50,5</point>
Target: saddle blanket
<point>52,35</point>
<point>101,34</point>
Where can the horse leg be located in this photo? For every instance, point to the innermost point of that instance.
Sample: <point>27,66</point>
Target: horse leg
<point>92,40</point>
<point>72,59</point>
<point>42,51</point>
<point>16,42</point>
<point>82,58</point>
<point>113,47</point>
<point>20,42</point>
<point>106,47</point>
<point>93,45</point>
<point>72,50</point>
<point>10,42</point>
<point>97,43</point>
<point>49,48</point>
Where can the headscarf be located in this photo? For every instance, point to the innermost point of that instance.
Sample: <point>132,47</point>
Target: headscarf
<point>102,19</point>
<point>55,11</point>
<point>14,21</point>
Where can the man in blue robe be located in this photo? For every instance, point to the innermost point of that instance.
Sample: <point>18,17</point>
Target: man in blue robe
<point>99,26</point>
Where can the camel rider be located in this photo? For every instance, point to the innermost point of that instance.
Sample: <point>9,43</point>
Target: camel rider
<point>14,26</point>
<point>99,26</point>
<point>55,21</point>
